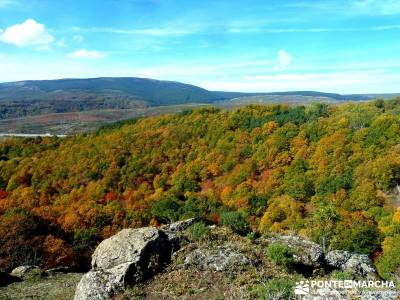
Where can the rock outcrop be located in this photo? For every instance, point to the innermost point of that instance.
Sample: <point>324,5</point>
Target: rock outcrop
<point>179,226</point>
<point>305,252</point>
<point>101,284</point>
<point>173,229</point>
<point>57,270</point>
<point>127,257</point>
<point>137,246</point>
<point>26,271</point>
<point>310,254</point>
<point>133,255</point>
<point>218,259</point>
<point>356,264</point>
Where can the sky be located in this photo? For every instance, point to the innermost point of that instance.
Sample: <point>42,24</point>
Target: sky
<point>343,46</point>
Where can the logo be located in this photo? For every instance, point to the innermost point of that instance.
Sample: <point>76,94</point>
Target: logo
<point>302,288</point>
<point>344,288</point>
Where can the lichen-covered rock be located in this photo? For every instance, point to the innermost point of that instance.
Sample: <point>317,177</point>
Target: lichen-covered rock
<point>58,270</point>
<point>218,259</point>
<point>380,295</point>
<point>102,284</point>
<point>147,247</point>
<point>125,258</point>
<point>179,226</point>
<point>27,271</point>
<point>356,264</point>
<point>305,252</point>
<point>172,231</point>
<point>337,258</point>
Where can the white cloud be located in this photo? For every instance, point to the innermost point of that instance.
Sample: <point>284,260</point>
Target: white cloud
<point>83,53</point>
<point>337,77</point>
<point>284,59</point>
<point>368,81</point>
<point>28,33</point>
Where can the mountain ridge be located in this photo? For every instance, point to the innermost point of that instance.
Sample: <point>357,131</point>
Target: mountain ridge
<point>33,97</point>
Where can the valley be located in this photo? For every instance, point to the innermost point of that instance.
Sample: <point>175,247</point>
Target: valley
<point>70,106</point>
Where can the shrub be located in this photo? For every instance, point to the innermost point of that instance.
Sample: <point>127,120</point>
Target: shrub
<point>341,275</point>
<point>84,243</point>
<point>199,232</point>
<point>236,221</point>
<point>357,233</point>
<point>85,239</point>
<point>57,253</point>
<point>252,236</point>
<point>22,236</point>
<point>388,264</point>
<point>281,255</point>
<point>283,213</point>
<point>166,210</point>
<point>276,289</point>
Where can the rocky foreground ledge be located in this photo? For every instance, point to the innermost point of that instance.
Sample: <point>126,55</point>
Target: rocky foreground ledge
<point>190,260</point>
<point>129,257</point>
<point>134,255</point>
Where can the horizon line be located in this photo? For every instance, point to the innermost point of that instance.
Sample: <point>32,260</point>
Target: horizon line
<point>176,81</point>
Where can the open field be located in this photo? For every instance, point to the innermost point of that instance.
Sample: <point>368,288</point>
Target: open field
<point>86,121</point>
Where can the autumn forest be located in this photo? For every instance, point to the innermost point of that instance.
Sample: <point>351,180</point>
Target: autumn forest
<point>328,172</point>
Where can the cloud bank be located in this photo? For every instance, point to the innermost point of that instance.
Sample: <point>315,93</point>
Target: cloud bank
<point>28,33</point>
<point>83,53</point>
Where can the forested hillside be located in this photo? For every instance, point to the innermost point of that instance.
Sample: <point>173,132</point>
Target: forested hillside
<point>326,172</point>
<point>33,97</point>
<point>38,97</point>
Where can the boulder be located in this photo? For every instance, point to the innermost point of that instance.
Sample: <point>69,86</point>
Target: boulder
<point>172,230</point>
<point>218,259</point>
<point>101,284</point>
<point>129,256</point>
<point>179,226</point>
<point>337,258</point>
<point>146,247</point>
<point>380,295</point>
<point>357,264</point>
<point>58,270</point>
<point>305,252</point>
<point>27,271</point>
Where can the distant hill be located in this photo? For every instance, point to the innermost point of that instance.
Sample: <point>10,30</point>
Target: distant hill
<point>66,95</point>
<point>154,92</point>
<point>300,97</point>
<point>35,97</point>
<point>324,95</point>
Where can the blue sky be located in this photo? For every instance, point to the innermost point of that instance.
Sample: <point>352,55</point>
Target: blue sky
<point>345,46</point>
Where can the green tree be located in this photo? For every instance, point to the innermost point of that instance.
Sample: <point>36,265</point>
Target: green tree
<point>236,221</point>
<point>322,224</point>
